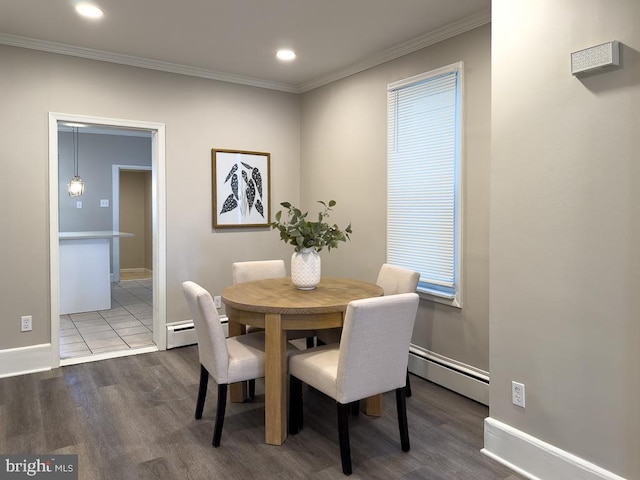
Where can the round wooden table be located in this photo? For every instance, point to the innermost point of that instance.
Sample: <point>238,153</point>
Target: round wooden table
<point>277,306</point>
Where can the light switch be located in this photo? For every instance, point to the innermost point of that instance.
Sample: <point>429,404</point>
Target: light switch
<point>79,204</point>
<point>104,202</point>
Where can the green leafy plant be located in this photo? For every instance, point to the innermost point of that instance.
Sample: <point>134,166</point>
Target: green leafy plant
<point>300,232</point>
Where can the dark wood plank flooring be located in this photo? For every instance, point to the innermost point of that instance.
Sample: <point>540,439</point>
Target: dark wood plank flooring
<point>133,418</point>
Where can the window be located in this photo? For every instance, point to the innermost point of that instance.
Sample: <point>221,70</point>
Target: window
<point>424,144</point>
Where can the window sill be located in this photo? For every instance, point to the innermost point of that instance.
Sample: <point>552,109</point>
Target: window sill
<point>439,297</point>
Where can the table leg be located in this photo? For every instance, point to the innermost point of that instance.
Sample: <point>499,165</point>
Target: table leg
<point>238,391</point>
<point>373,406</point>
<point>275,380</point>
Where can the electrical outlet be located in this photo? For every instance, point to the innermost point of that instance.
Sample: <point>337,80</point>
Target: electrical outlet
<point>217,301</point>
<point>517,394</point>
<point>26,323</point>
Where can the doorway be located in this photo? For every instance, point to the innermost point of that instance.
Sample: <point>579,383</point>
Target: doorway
<point>157,284</point>
<point>132,188</point>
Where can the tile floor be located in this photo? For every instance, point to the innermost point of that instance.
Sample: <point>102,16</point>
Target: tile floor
<point>129,323</point>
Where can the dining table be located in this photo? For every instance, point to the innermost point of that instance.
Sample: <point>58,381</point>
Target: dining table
<point>277,306</point>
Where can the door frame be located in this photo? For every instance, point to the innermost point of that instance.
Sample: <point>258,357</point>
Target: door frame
<point>115,204</point>
<point>158,176</point>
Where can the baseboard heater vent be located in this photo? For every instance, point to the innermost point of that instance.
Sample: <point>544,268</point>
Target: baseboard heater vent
<point>460,377</point>
<point>452,366</point>
<point>181,334</point>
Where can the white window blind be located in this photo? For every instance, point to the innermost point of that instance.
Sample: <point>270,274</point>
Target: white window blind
<point>423,178</point>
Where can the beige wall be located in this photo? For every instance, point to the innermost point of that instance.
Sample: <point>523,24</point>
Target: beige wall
<point>344,158</point>
<point>199,114</point>
<point>565,229</point>
<point>135,197</point>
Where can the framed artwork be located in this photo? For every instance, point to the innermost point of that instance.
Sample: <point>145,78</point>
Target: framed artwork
<point>241,188</point>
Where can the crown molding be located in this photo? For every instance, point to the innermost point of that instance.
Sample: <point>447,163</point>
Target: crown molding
<point>103,56</point>
<point>448,31</point>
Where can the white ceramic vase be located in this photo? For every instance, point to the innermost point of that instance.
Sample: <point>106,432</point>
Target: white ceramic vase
<point>305,269</point>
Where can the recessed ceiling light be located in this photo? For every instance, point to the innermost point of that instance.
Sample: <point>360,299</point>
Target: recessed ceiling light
<point>89,10</point>
<point>286,55</point>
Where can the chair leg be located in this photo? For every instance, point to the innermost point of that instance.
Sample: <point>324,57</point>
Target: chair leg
<point>408,394</point>
<point>401,406</point>
<point>343,433</point>
<point>222,405</point>
<point>202,391</point>
<point>252,389</point>
<point>296,416</point>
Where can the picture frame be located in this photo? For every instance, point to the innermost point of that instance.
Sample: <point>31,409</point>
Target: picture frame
<point>241,188</point>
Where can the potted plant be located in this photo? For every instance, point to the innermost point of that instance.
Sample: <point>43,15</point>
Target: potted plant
<point>308,237</point>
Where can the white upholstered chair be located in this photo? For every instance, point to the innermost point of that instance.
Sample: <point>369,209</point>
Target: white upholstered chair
<point>370,359</point>
<point>257,270</point>
<point>227,360</point>
<point>393,280</point>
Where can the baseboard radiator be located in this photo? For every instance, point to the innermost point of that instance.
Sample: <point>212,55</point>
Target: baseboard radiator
<point>181,334</point>
<point>457,376</point>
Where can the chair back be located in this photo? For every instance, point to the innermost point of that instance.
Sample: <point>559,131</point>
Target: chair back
<point>394,279</point>
<point>257,270</point>
<point>374,346</point>
<point>212,345</point>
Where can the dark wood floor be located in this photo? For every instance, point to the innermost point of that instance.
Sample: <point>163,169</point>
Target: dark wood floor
<point>133,418</point>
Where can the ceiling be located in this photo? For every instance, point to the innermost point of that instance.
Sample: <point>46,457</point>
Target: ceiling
<point>236,40</point>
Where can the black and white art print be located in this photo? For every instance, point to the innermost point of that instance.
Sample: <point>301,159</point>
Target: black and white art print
<point>241,188</point>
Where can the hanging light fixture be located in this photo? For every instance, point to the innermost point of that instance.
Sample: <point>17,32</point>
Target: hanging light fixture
<point>76,185</point>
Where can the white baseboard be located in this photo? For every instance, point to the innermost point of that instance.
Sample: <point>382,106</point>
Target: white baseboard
<point>535,459</point>
<point>136,270</point>
<point>461,378</point>
<point>38,358</point>
<point>23,360</point>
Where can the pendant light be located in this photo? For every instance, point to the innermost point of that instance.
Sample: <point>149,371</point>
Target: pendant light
<point>76,185</point>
